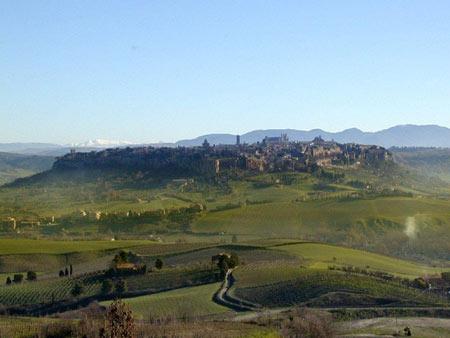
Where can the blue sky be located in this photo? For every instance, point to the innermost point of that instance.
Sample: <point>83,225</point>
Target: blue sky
<point>146,71</point>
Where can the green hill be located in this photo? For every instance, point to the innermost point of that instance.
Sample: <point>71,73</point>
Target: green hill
<point>14,166</point>
<point>188,302</point>
<point>434,162</point>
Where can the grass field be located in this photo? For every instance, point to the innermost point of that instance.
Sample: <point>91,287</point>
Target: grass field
<point>27,327</point>
<point>322,255</point>
<point>414,228</point>
<point>21,327</point>
<point>300,218</point>
<point>181,303</point>
<point>420,327</point>
<point>29,246</point>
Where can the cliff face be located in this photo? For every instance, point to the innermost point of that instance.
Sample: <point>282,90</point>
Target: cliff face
<point>209,161</point>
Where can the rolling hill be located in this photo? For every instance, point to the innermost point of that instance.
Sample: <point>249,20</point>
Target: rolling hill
<point>427,161</point>
<point>13,166</point>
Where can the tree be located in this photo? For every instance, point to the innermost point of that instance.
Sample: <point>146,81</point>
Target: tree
<point>119,321</point>
<point>77,290</point>
<point>18,278</point>
<point>121,286</point>
<point>158,264</point>
<point>66,272</point>
<point>223,264</point>
<point>233,261</point>
<point>8,280</point>
<point>205,144</point>
<point>107,286</point>
<point>407,331</point>
<point>31,276</point>
<point>61,273</point>
<point>420,283</point>
<point>70,270</point>
<point>123,256</point>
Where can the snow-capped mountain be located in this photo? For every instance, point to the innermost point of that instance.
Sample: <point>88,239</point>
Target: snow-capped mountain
<point>101,143</point>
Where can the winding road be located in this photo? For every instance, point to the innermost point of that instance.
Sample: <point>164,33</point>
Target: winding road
<point>223,298</point>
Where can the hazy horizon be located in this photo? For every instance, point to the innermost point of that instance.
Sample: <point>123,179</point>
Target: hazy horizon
<point>97,141</point>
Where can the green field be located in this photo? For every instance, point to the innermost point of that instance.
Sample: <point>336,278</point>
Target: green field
<point>29,246</point>
<point>301,218</point>
<point>182,303</point>
<point>381,224</point>
<point>322,255</point>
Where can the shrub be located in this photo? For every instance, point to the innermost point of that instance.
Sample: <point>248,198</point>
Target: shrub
<point>420,283</point>
<point>158,264</point>
<point>446,276</point>
<point>31,276</point>
<point>8,280</point>
<point>18,278</point>
<point>57,330</point>
<point>121,286</point>
<point>107,286</point>
<point>77,290</point>
<point>119,321</point>
<point>307,323</point>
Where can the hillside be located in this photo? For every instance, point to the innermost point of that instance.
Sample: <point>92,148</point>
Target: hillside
<point>434,162</point>
<point>326,225</point>
<point>13,166</point>
<point>346,194</point>
<point>273,154</point>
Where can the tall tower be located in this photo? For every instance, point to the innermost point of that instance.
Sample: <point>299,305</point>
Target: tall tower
<point>238,140</point>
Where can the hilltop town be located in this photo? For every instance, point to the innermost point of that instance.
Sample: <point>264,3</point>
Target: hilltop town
<point>272,154</point>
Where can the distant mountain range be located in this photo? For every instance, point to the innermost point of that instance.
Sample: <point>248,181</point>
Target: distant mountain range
<point>399,136</point>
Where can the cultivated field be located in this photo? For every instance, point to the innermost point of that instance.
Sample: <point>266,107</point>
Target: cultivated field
<point>275,287</point>
<point>29,246</point>
<point>322,256</point>
<point>190,302</point>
